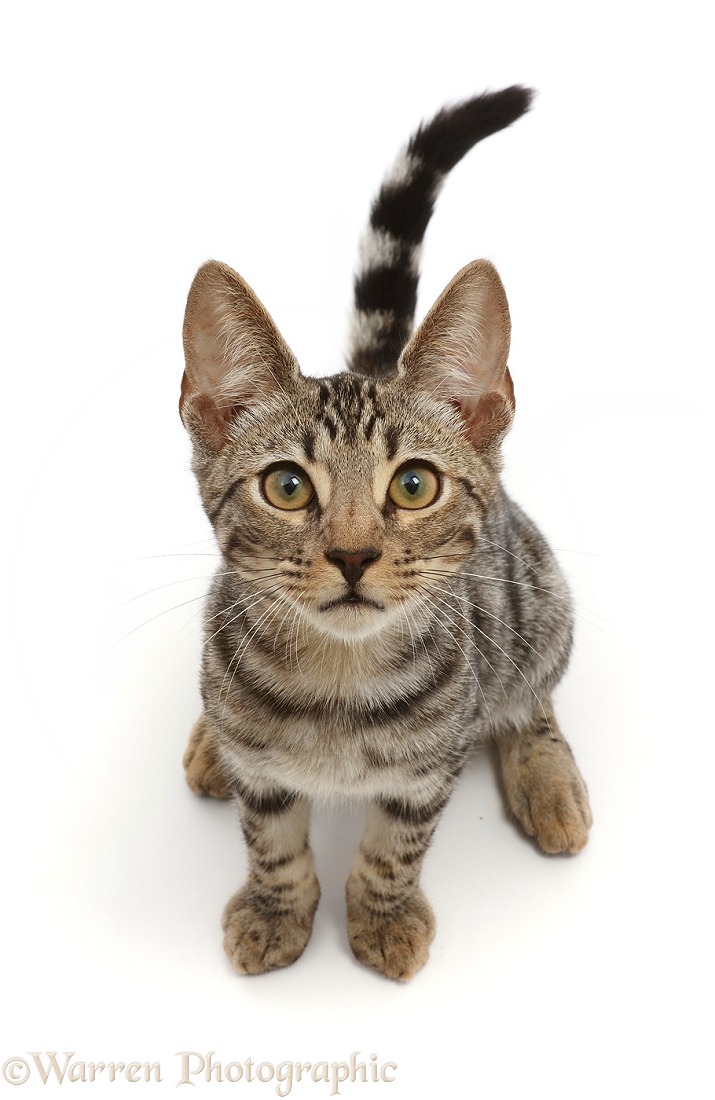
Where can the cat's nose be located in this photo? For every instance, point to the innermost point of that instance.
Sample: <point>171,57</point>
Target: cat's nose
<point>353,563</point>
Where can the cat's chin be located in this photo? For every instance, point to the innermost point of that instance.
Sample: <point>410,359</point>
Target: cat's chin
<point>351,620</point>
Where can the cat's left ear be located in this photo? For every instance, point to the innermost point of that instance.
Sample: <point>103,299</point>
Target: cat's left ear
<point>459,353</point>
<point>235,355</point>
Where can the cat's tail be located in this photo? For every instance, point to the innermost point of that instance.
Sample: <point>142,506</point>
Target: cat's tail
<point>388,268</point>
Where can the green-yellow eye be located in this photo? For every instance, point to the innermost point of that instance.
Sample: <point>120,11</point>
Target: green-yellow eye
<point>287,487</point>
<point>414,486</point>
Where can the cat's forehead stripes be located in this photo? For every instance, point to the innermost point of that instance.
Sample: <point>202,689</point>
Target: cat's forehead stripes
<point>351,411</point>
<point>352,424</point>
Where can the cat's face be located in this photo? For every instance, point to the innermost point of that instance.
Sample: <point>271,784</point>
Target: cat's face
<point>346,500</point>
<point>341,496</point>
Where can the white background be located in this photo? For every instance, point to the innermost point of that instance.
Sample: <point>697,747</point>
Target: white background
<point>141,139</point>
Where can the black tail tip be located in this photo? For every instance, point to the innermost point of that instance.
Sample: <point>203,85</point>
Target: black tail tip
<point>494,110</point>
<point>505,106</point>
<point>520,97</point>
<point>442,142</point>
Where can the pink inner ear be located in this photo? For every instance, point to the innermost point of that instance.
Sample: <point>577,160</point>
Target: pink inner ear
<point>208,342</point>
<point>489,419</point>
<point>212,322</point>
<point>204,404</point>
<point>490,416</point>
<point>202,413</point>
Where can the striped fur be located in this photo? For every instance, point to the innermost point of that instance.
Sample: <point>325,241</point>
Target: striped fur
<point>355,646</point>
<point>388,271</point>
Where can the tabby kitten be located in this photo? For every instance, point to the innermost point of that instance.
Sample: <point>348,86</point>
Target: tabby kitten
<point>382,605</point>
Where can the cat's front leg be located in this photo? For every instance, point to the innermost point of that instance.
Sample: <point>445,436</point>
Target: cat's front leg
<point>267,924</point>
<point>543,785</point>
<point>390,922</point>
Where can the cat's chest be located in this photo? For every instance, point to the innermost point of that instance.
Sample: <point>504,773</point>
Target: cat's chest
<point>332,722</point>
<point>325,760</point>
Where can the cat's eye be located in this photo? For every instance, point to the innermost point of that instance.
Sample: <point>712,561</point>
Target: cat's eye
<point>287,486</point>
<point>414,486</point>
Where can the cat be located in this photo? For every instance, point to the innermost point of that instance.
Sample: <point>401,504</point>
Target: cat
<point>382,605</point>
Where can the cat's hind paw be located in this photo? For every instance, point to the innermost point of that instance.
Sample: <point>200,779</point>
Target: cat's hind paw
<point>201,763</point>
<point>543,786</point>
<point>550,801</point>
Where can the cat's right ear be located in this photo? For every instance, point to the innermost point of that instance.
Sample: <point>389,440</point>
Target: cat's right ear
<point>235,355</point>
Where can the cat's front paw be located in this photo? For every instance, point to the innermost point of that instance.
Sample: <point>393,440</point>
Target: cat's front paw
<point>201,764</point>
<point>396,943</point>
<point>550,800</point>
<point>263,931</point>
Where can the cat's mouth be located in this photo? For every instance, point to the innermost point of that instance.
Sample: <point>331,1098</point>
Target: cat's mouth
<point>351,600</point>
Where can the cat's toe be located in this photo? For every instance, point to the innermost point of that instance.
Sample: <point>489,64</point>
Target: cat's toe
<point>201,765</point>
<point>260,934</point>
<point>396,944</point>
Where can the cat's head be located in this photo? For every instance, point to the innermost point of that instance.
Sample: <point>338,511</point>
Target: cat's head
<point>346,496</point>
